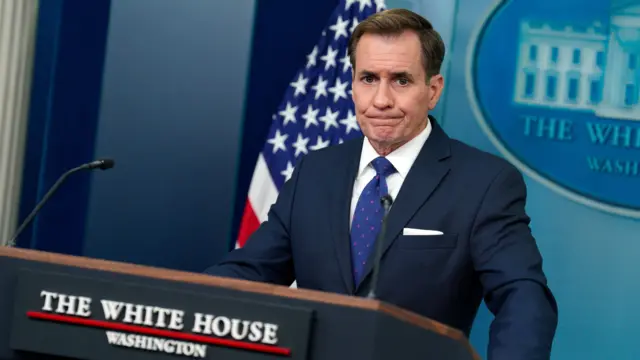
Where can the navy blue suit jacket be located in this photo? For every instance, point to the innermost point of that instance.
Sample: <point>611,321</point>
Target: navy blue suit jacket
<point>486,251</point>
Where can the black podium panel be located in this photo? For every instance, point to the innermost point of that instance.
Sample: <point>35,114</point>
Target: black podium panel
<point>56,311</point>
<point>86,318</point>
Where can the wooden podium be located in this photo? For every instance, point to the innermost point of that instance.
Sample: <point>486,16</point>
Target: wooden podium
<point>65,307</point>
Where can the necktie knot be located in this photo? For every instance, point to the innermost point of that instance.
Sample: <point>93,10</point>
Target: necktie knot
<point>383,166</point>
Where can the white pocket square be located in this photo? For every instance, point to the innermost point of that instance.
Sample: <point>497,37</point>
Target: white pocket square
<point>410,231</point>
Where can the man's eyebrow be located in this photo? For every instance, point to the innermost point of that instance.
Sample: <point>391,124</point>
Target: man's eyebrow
<point>367,73</point>
<point>402,74</point>
<point>395,75</point>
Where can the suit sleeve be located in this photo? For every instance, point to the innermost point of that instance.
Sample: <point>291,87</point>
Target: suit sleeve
<point>509,264</point>
<point>266,256</point>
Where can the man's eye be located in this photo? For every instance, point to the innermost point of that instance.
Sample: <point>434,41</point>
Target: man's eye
<point>403,81</point>
<point>367,78</point>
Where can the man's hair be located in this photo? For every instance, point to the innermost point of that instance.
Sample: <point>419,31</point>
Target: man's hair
<point>394,22</point>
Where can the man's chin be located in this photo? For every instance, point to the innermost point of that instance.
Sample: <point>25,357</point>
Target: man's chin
<point>383,142</point>
<point>383,137</point>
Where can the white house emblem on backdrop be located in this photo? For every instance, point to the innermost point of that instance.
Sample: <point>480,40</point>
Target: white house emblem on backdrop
<point>556,86</point>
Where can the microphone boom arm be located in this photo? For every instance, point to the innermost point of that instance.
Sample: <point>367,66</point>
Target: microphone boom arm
<point>97,164</point>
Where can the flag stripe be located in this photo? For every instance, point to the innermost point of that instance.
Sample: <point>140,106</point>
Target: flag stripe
<point>249,224</point>
<point>262,191</point>
<point>262,194</point>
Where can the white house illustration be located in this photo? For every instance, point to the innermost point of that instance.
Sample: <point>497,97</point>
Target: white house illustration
<point>576,66</point>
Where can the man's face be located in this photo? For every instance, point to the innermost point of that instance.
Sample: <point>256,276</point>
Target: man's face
<point>391,95</point>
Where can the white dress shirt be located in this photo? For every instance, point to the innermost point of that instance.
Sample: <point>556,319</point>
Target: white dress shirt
<point>402,159</point>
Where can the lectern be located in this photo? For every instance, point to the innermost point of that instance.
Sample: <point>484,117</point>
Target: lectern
<point>65,307</point>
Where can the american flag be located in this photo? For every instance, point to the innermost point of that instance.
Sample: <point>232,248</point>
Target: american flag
<point>317,111</point>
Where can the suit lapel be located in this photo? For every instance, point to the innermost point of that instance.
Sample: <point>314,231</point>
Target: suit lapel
<point>340,210</point>
<point>424,177</point>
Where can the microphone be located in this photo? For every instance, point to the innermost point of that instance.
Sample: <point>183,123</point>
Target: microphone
<point>102,164</point>
<point>386,202</point>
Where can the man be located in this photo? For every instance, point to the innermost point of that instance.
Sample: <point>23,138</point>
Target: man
<point>457,231</point>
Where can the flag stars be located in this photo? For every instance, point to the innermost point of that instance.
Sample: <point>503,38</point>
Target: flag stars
<point>278,141</point>
<point>289,113</point>
<point>300,85</point>
<point>339,28</point>
<point>345,61</point>
<point>311,58</point>
<point>364,4</point>
<point>320,87</point>
<point>380,5</point>
<point>330,119</point>
<point>350,122</point>
<point>349,3</point>
<point>320,144</point>
<point>329,58</point>
<point>354,24</point>
<point>310,117</point>
<point>300,145</point>
<point>288,171</point>
<point>339,90</point>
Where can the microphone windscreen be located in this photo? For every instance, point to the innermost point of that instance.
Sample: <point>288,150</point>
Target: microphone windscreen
<point>107,164</point>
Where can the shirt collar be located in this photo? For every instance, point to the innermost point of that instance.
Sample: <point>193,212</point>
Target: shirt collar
<point>402,158</point>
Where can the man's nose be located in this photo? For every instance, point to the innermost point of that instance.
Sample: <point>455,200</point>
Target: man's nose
<point>382,99</point>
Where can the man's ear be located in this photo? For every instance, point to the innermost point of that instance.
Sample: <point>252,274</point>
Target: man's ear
<point>436,85</point>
